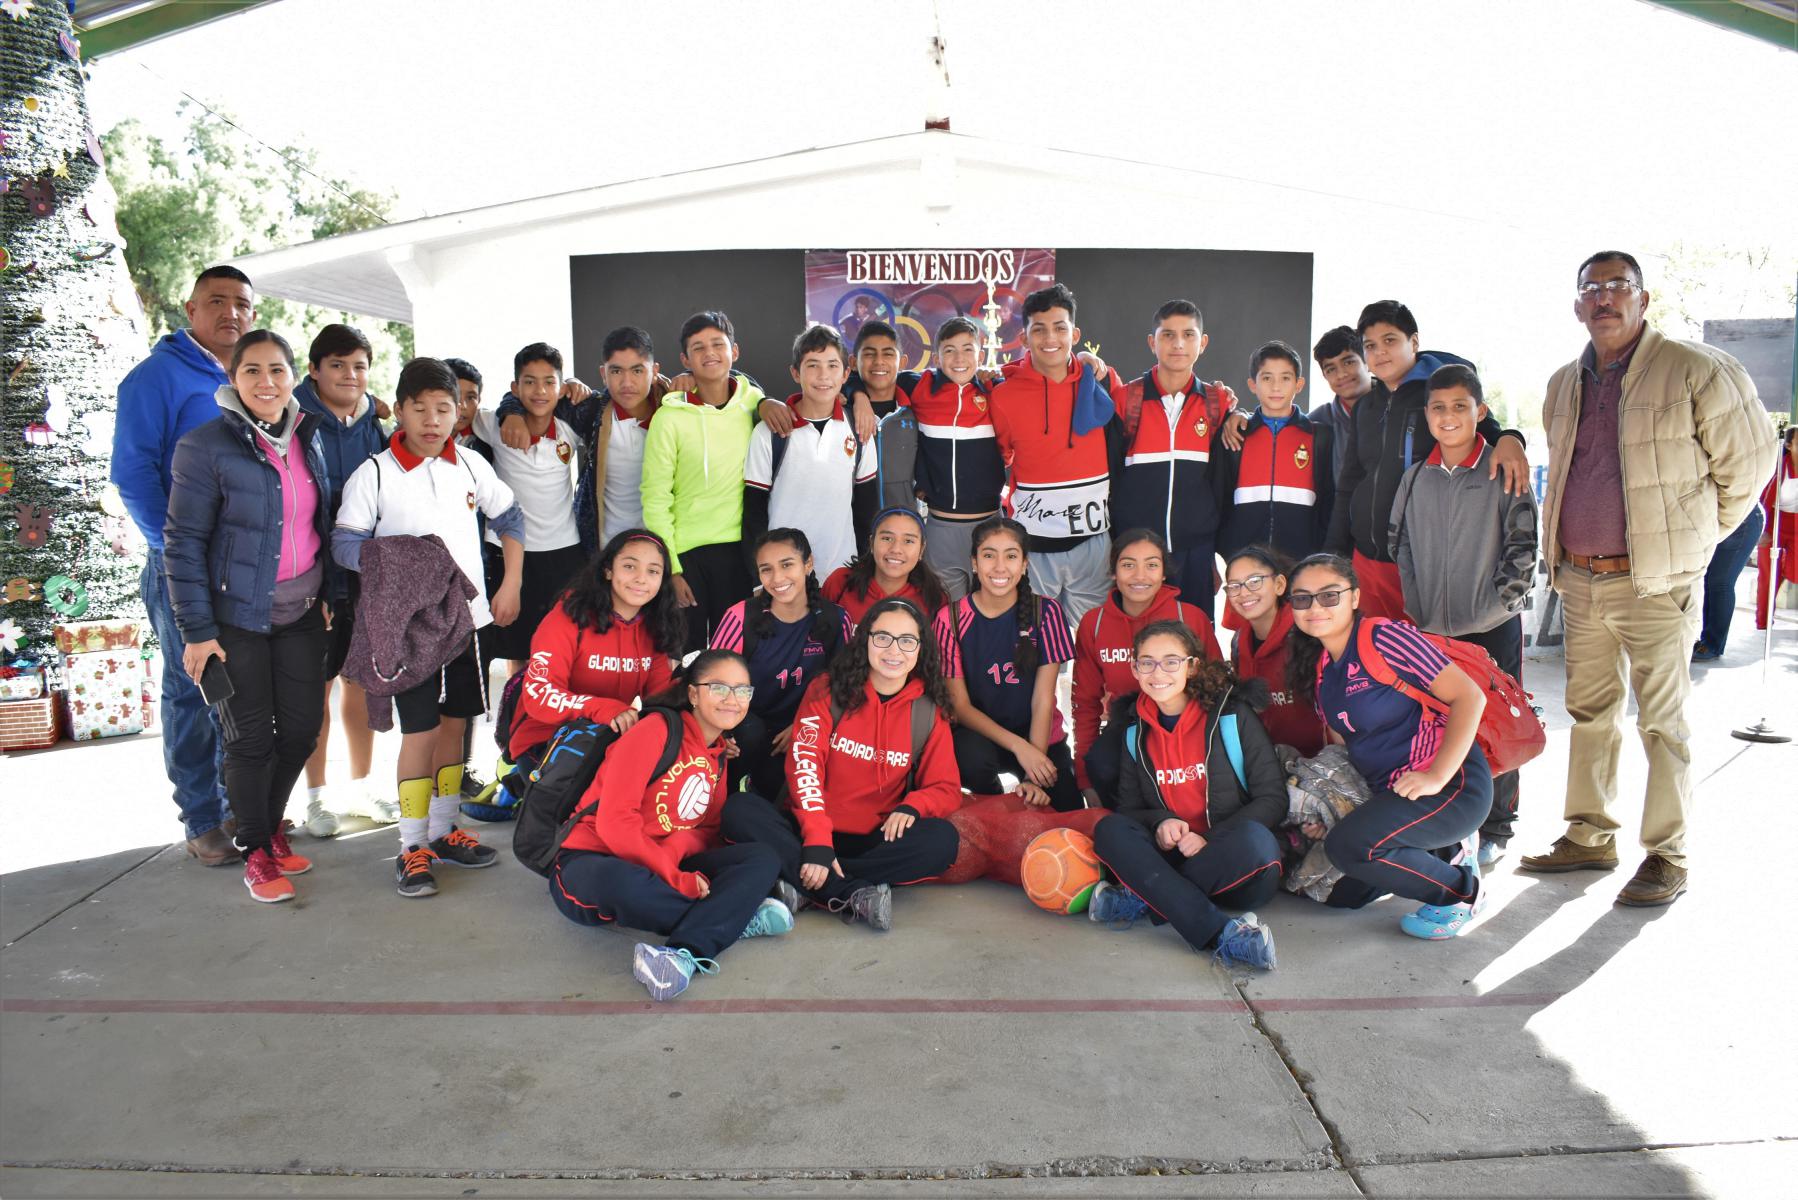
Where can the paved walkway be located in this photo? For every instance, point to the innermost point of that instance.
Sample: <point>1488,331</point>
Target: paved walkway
<point>161,1035</point>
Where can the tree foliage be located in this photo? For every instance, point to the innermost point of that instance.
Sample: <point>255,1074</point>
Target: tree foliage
<point>219,194</point>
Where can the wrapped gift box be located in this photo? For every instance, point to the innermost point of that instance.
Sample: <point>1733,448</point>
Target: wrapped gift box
<point>91,637</point>
<point>29,724</point>
<point>21,681</point>
<point>104,693</point>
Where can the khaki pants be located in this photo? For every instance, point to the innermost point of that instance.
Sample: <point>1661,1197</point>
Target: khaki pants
<point>1610,631</point>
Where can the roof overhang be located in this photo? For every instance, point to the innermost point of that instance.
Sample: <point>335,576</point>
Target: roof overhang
<point>1774,21</point>
<point>109,26</point>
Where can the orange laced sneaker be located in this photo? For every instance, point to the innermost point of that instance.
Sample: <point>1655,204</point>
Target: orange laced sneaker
<point>289,862</point>
<point>459,848</point>
<point>412,872</point>
<point>264,878</point>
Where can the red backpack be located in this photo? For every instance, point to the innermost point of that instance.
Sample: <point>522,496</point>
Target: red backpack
<point>1510,732</point>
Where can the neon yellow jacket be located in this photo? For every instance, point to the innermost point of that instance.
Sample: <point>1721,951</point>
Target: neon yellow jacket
<point>693,460</point>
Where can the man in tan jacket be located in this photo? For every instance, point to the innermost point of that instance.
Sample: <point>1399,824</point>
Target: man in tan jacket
<point>1656,448</point>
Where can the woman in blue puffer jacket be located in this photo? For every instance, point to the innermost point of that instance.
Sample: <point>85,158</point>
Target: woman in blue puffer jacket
<point>246,552</point>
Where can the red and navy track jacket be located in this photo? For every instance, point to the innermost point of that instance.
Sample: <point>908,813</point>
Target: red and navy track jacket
<point>1168,483</point>
<point>958,467</point>
<point>1280,487</point>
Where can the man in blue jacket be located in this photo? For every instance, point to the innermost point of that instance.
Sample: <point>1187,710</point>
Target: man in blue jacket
<point>162,398</point>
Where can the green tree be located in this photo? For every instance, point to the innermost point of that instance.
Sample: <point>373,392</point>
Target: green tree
<point>220,194</point>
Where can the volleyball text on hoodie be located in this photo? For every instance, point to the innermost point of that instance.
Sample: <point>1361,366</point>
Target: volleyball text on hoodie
<point>580,672</point>
<point>656,821</point>
<point>1102,652</point>
<point>849,775</point>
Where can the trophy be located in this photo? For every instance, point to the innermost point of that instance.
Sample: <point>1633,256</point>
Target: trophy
<point>990,317</point>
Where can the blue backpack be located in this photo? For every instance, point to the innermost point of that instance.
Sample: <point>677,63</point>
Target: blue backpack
<point>1232,745</point>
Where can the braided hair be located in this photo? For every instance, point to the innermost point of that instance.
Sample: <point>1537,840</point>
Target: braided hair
<point>923,576</point>
<point>1303,650</point>
<point>760,608</point>
<point>1029,608</point>
<point>849,670</point>
<point>588,598</point>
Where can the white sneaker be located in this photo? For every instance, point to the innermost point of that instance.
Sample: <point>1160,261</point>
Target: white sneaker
<point>321,822</point>
<point>380,808</point>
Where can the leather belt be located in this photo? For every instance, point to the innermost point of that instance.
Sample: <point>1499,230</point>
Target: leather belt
<point>1600,564</point>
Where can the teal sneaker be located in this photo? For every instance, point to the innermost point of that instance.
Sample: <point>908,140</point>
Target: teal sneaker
<point>665,972</point>
<point>1439,922</point>
<point>1113,903</point>
<point>771,919</point>
<point>1245,942</point>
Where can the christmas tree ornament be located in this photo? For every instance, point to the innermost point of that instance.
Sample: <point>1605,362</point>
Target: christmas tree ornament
<point>6,477</point>
<point>34,525</point>
<point>71,48</point>
<point>5,258</point>
<point>11,636</point>
<point>5,137</point>
<point>40,195</point>
<point>31,103</point>
<point>111,503</point>
<point>39,433</point>
<point>18,590</point>
<point>61,169</point>
<point>18,368</point>
<point>93,251</point>
<point>94,151</point>
<point>65,595</point>
<point>18,10</point>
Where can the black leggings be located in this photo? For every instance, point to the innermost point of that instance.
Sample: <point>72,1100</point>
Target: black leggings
<point>923,852</point>
<point>756,760</point>
<point>590,888</point>
<point>1388,842</point>
<point>271,721</point>
<point>982,760</point>
<point>1238,869</point>
<point>720,576</point>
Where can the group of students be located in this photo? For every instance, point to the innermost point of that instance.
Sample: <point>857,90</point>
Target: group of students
<point>873,586</point>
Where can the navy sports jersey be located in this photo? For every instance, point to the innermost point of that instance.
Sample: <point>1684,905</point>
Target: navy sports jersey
<point>786,659</point>
<point>981,650</point>
<point>1387,733</point>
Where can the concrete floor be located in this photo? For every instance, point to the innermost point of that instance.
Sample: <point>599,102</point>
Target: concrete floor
<point>162,1035</point>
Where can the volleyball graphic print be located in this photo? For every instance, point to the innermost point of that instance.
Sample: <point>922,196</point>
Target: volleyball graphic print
<point>695,795</point>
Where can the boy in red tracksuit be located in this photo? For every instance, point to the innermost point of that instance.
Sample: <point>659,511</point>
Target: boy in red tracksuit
<point>651,856</point>
<point>579,672</point>
<point>1280,486</point>
<point>869,797</point>
<point>1102,674</point>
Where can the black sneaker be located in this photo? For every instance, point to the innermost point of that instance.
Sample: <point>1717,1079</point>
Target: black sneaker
<point>788,895</point>
<point>873,905</point>
<point>412,871</point>
<point>472,785</point>
<point>460,849</point>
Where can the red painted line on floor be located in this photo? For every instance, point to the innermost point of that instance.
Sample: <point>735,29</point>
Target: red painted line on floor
<point>902,1007</point>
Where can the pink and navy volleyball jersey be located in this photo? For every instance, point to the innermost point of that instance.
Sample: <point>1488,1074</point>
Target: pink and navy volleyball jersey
<point>1387,733</point>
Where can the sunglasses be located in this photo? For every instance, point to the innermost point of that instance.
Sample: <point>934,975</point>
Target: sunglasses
<point>1329,598</point>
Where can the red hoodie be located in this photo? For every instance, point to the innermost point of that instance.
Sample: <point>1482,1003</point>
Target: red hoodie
<point>577,672</point>
<point>1178,755</point>
<point>1288,722</point>
<point>1102,648</point>
<point>656,823</point>
<point>836,589</point>
<point>851,776</point>
<point>1061,481</point>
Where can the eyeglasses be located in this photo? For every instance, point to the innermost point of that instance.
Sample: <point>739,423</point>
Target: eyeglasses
<point>1252,583</point>
<point>1173,664</point>
<point>907,642</point>
<point>1329,598</point>
<point>1610,287</point>
<point>722,691</point>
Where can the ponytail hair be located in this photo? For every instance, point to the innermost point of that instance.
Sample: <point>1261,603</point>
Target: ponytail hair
<point>675,696</point>
<point>1302,650</point>
<point>923,576</point>
<point>1267,556</point>
<point>1029,608</point>
<point>760,607</point>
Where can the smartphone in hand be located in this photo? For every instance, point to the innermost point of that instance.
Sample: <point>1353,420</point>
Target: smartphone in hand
<point>215,682</point>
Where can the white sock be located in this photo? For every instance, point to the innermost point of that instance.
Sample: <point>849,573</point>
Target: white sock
<point>412,832</point>
<point>443,814</point>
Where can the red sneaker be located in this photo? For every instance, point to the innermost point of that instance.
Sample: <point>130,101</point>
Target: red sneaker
<point>289,862</point>
<point>264,878</point>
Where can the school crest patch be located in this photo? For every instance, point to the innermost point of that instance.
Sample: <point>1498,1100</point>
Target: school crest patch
<point>849,446</point>
<point>564,451</point>
<point>980,401</point>
<point>1201,426</point>
<point>1301,458</point>
<point>471,502</point>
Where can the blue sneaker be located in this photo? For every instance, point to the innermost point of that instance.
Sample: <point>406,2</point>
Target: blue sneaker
<point>666,973</point>
<point>771,919</point>
<point>1490,853</point>
<point>495,805</point>
<point>1245,942</point>
<point>1439,922</point>
<point>1115,903</point>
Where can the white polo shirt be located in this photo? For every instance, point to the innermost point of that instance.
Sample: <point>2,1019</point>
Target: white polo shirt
<point>816,485</point>
<point>396,493</point>
<point>542,478</point>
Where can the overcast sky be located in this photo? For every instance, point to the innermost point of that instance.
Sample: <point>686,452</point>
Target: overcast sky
<point>1614,120</point>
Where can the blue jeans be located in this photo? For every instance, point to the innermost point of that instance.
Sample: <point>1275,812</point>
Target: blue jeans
<point>192,751</point>
<point>1727,561</point>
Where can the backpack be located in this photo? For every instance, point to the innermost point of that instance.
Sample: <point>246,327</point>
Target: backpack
<point>1226,725</point>
<point>777,448</point>
<point>1510,732</point>
<point>923,717</point>
<point>547,809</point>
<point>507,715</point>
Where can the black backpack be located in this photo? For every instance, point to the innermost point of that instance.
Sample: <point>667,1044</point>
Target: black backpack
<point>547,811</point>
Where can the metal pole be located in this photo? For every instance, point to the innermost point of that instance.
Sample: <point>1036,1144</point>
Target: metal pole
<point>1762,730</point>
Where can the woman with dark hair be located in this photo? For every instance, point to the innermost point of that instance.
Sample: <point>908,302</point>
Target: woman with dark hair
<point>1003,647</point>
<point>244,551</point>
<point>870,771</point>
<point>1199,797</point>
<point>893,565</point>
<point>1255,586</point>
<point>1140,595</point>
<point>608,642</point>
<point>789,633</point>
<point>651,855</point>
<point>1430,782</point>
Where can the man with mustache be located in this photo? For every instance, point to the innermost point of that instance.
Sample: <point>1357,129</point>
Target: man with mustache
<point>1656,449</point>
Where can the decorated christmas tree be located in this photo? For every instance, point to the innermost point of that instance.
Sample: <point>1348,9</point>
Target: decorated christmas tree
<point>71,330</point>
